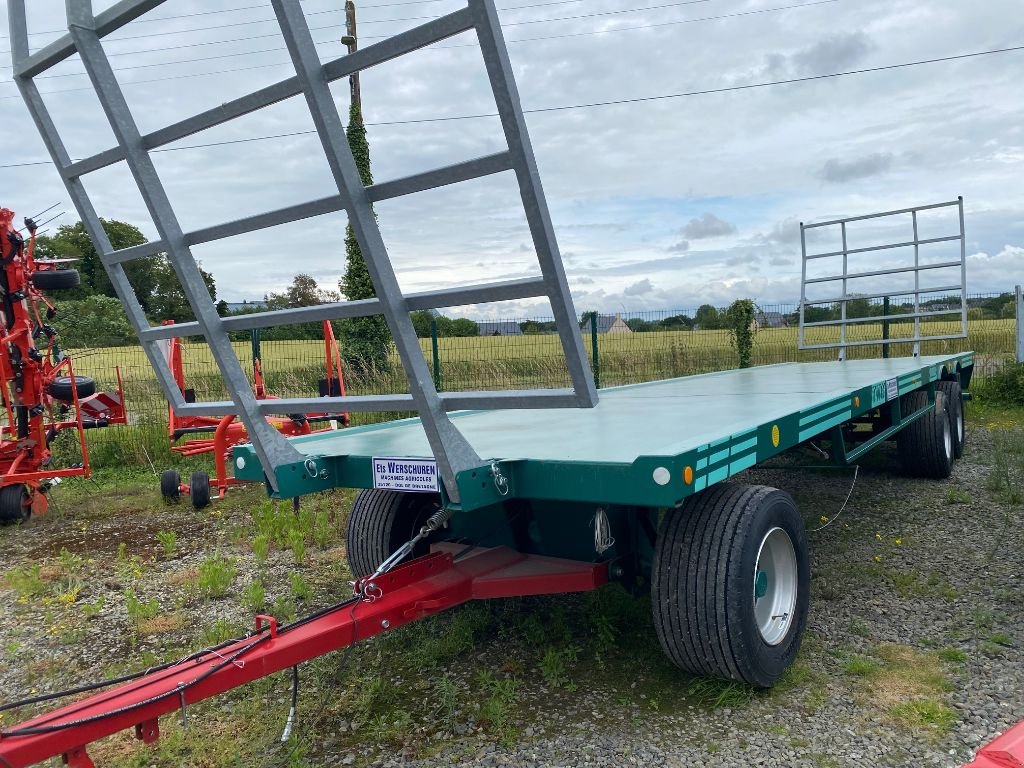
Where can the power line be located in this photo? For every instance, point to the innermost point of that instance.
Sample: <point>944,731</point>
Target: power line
<point>233,10</point>
<point>593,104</point>
<point>378,37</point>
<point>275,34</point>
<point>250,22</point>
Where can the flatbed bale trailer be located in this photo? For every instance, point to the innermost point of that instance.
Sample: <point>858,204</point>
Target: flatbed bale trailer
<point>484,494</point>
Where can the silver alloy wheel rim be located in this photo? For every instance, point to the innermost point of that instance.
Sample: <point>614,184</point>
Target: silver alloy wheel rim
<point>960,426</point>
<point>775,577</point>
<point>947,439</point>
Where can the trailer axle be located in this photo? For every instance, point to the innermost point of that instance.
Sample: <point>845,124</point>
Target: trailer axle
<point>449,576</point>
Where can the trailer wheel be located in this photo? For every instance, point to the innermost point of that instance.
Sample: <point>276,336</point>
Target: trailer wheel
<point>170,485</point>
<point>56,280</point>
<point>730,584</point>
<point>199,489</point>
<point>13,508</point>
<point>382,521</point>
<point>926,445</point>
<point>63,388</point>
<point>955,406</point>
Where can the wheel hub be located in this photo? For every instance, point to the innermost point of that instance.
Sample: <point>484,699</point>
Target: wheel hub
<point>775,586</point>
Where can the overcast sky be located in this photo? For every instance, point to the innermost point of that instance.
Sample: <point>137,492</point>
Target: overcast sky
<point>657,205</point>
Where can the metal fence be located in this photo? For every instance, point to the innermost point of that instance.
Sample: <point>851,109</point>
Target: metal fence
<point>623,348</point>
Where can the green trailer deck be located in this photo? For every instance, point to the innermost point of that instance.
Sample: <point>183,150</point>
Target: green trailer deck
<point>649,444</point>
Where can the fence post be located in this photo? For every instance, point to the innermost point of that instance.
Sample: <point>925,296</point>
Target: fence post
<point>255,336</point>
<point>1020,323</point>
<point>435,355</point>
<point>885,326</point>
<point>594,350</point>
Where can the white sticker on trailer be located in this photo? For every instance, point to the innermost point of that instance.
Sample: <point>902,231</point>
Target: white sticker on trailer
<point>892,389</point>
<point>404,474</point>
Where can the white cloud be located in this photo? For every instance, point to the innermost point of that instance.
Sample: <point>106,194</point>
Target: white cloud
<point>624,183</point>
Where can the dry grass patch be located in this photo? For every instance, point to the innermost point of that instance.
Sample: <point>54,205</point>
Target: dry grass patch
<point>165,622</point>
<point>908,686</point>
<point>187,576</point>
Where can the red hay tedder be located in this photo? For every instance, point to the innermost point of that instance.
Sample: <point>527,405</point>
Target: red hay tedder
<point>219,434</point>
<point>42,396</point>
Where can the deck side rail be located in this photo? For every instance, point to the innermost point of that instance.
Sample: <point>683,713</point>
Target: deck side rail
<point>311,81</point>
<point>923,284</point>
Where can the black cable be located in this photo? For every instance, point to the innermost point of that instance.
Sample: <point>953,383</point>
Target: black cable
<point>192,30</point>
<point>177,691</point>
<point>275,34</point>
<point>539,110</point>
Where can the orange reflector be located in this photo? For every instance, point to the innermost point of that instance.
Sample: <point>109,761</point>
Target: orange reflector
<point>856,402</point>
<point>688,475</point>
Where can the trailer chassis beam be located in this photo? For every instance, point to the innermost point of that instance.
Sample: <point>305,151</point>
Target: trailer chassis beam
<point>449,576</point>
<point>898,420</point>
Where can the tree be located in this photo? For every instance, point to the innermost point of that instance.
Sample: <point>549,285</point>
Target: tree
<point>740,319</point>
<point>707,318</point>
<point>366,341</point>
<point>153,279</point>
<point>462,326</point>
<point>421,322</point>
<point>674,323</point>
<point>303,292</point>
<point>639,325</point>
<point>167,300</point>
<point>72,241</point>
<point>94,321</point>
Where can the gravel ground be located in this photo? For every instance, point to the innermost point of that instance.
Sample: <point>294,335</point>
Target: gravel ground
<point>913,653</point>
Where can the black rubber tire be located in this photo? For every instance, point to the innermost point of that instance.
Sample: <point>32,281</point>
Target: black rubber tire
<point>703,578</point>
<point>199,489</point>
<point>926,445</point>
<point>60,388</point>
<point>12,504</point>
<point>382,521</point>
<point>955,408</point>
<point>170,485</point>
<point>56,280</point>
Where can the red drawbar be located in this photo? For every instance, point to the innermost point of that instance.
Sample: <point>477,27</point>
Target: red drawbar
<point>416,589</point>
<point>1007,751</point>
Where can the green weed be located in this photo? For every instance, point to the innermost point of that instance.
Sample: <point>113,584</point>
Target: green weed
<point>138,610</point>
<point>925,713</point>
<point>27,581</point>
<point>168,542</point>
<point>715,693</point>
<point>254,596</point>
<point>261,548</point>
<point>300,588</point>
<point>215,576</point>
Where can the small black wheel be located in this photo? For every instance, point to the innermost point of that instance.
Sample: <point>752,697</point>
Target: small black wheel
<point>382,521</point>
<point>170,485</point>
<point>62,388</point>
<point>730,583</point>
<point>925,446</point>
<point>199,489</point>
<point>955,408</point>
<point>56,279</point>
<point>14,507</point>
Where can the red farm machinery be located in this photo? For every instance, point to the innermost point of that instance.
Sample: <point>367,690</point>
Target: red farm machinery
<point>42,396</point>
<point>217,435</point>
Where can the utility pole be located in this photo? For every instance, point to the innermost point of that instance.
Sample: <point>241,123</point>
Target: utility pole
<point>351,41</point>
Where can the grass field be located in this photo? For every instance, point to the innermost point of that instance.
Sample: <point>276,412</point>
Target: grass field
<point>293,368</point>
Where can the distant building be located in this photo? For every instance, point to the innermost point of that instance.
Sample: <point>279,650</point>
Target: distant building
<point>499,328</point>
<point>239,306</point>
<point>608,324</point>
<point>770,320</point>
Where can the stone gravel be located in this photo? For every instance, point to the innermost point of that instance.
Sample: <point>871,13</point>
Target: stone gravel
<point>902,566</point>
